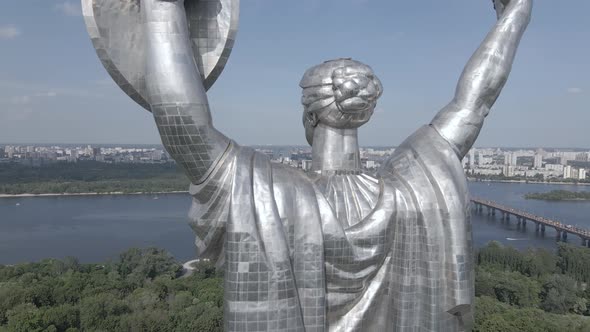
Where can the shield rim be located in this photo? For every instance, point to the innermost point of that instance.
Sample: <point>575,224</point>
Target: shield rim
<point>120,79</point>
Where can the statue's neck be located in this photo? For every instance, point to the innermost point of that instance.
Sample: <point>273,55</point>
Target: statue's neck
<point>335,150</point>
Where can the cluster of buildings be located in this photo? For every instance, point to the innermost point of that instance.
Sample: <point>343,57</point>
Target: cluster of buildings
<point>39,155</point>
<point>36,155</point>
<point>300,157</point>
<point>536,164</point>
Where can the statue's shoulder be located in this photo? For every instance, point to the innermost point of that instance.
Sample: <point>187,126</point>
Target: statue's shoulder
<point>287,175</point>
<point>425,149</point>
<point>425,168</point>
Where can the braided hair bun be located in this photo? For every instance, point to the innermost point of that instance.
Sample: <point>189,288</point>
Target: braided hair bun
<point>340,93</point>
<point>355,90</point>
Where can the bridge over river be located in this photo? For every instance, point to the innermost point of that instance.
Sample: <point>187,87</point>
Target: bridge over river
<point>523,217</point>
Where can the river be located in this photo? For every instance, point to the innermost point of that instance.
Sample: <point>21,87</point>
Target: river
<point>96,228</point>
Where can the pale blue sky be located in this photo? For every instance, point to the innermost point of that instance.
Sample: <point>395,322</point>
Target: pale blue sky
<point>54,89</point>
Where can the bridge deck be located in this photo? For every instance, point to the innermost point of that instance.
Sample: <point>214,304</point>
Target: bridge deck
<point>583,233</point>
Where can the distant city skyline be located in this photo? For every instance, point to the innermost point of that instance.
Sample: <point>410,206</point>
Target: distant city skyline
<point>54,89</point>
<point>305,145</point>
<point>517,164</point>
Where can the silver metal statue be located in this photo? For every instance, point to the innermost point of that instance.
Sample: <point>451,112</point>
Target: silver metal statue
<point>335,249</point>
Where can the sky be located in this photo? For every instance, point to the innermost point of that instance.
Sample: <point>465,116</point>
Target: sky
<point>53,88</point>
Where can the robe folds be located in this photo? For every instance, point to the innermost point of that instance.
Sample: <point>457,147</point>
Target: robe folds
<point>348,252</point>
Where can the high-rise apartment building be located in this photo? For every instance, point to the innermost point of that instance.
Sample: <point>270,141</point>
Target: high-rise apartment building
<point>567,172</point>
<point>538,163</point>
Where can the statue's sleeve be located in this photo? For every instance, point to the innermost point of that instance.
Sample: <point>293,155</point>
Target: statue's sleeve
<point>426,156</point>
<point>428,173</point>
<point>210,206</point>
<point>433,177</point>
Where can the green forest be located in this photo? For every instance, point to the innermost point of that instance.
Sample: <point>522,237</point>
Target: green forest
<point>560,195</point>
<point>142,290</point>
<point>91,177</point>
<point>535,290</point>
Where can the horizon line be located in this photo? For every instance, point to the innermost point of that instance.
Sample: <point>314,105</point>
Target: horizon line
<point>286,145</point>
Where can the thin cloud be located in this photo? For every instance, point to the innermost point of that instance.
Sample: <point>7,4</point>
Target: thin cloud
<point>49,94</point>
<point>9,32</point>
<point>28,99</point>
<point>17,113</point>
<point>69,8</point>
<point>104,82</point>
<point>396,36</point>
<point>24,107</point>
<point>20,100</point>
<point>36,90</point>
<point>574,90</point>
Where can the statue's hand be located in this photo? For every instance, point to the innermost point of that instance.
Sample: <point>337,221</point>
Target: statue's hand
<point>500,5</point>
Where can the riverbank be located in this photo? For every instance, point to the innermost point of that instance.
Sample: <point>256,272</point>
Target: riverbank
<point>118,193</point>
<point>90,178</point>
<point>28,195</point>
<point>560,195</point>
<point>530,182</point>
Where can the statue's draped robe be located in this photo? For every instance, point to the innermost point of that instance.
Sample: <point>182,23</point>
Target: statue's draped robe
<point>342,252</point>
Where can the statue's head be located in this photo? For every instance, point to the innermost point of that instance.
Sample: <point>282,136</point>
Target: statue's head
<point>338,93</point>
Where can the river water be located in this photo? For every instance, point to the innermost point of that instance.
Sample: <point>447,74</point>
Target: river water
<point>96,228</point>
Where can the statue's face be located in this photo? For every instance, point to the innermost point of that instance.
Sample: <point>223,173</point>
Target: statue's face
<point>340,93</point>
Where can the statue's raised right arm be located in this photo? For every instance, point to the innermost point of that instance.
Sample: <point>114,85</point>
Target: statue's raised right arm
<point>484,77</point>
<point>176,93</point>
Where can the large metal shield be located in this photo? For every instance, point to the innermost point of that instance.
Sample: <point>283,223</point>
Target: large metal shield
<point>115,29</point>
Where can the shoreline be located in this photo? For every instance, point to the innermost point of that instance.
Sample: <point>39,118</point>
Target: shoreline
<point>531,182</point>
<point>560,200</point>
<point>120,193</point>
<point>114,193</point>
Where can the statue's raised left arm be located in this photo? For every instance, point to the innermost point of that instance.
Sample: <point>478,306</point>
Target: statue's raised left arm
<point>176,93</point>
<point>165,54</point>
<point>484,77</point>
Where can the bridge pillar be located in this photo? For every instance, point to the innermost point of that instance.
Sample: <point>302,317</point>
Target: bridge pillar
<point>543,228</point>
<point>537,226</point>
<point>564,236</point>
<point>558,237</point>
<point>493,212</point>
<point>523,222</point>
<point>588,242</point>
<point>584,244</point>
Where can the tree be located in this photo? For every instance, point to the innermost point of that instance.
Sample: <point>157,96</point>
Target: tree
<point>137,265</point>
<point>484,283</point>
<point>25,318</point>
<point>11,295</point>
<point>102,312</point>
<point>559,294</point>
<point>512,288</point>
<point>62,317</point>
<point>540,262</point>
